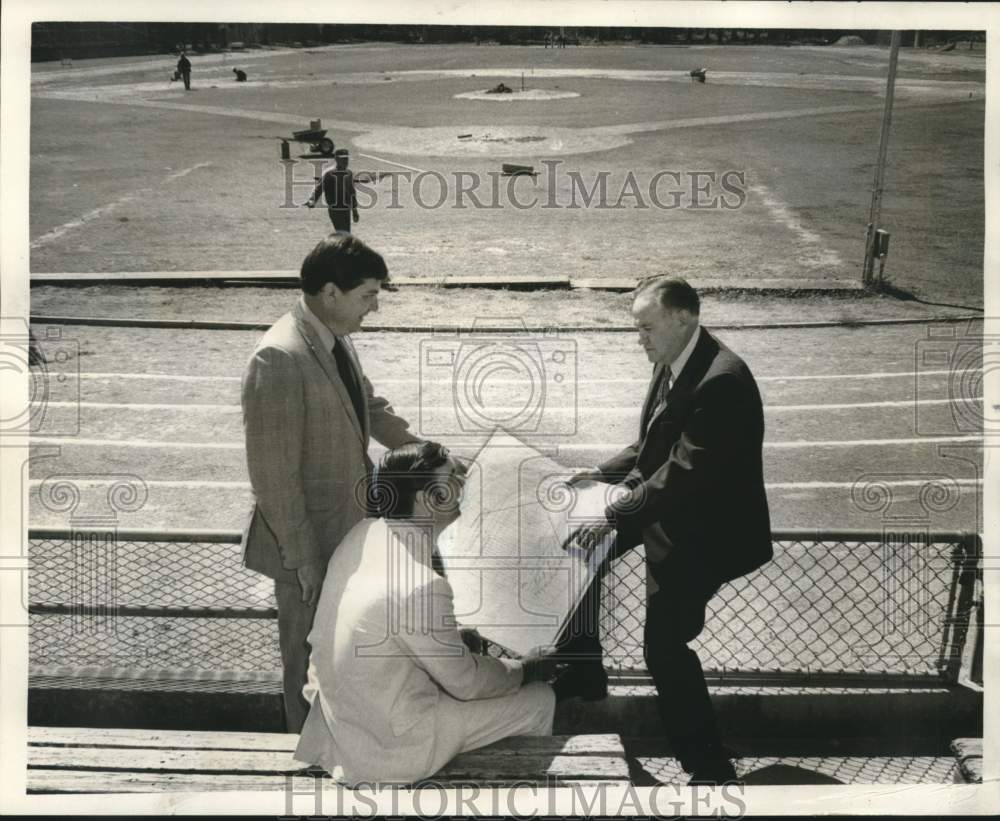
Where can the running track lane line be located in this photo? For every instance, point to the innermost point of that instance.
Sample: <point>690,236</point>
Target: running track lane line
<point>478,332</point>
<point>635,381</point>
<point>792,445</point>
<point>233,406</point>
<point>90,216</point>
<point>223,485</point>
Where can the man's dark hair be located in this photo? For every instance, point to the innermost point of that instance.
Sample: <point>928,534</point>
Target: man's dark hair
<point>670,292</point>
<point>402,473</point>
<point>344,260</point>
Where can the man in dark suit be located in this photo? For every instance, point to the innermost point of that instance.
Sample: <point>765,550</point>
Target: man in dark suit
<point>696,501</point>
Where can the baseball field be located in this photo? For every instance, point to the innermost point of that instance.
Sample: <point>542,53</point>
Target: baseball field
<point>759,177</point>
<point>761,173</point>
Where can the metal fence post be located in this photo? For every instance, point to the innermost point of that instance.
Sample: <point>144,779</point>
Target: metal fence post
<point>965,569</point>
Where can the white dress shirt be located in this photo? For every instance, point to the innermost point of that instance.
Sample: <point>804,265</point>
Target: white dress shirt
<point>326,336</point>
<point>678,364</point>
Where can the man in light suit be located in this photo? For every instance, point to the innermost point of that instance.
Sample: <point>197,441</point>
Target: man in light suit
<point>395,693</point>
<point>308,413</point>
<point>696,502</point>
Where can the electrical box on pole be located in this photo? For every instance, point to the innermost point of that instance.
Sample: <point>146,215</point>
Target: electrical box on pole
<point>875,211</point>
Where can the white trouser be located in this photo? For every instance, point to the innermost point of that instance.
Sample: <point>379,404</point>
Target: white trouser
<point>468,725</point>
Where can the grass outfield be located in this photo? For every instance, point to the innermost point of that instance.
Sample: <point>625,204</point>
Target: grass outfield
<point>130,173</point>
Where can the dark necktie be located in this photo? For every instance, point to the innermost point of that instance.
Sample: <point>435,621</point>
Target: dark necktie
<point>662,389</point>
<point>349,378</point>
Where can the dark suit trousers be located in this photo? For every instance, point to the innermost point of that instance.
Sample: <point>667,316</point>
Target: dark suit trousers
<point>295,620</point>
<point>675,615</point>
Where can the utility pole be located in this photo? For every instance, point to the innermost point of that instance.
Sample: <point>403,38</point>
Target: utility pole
<point>875,211</point>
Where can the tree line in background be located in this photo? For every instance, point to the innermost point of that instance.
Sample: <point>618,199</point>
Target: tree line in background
<point>81,40</point>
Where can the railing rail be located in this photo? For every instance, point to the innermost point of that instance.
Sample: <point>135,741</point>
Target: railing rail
<point>236,536</point>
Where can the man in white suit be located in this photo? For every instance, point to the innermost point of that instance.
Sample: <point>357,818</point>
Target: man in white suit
<point>395,692</point>
<point>308,413</point>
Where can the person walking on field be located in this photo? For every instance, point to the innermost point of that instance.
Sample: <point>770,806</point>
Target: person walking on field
<point>184,69</point>
<point>337,185</point>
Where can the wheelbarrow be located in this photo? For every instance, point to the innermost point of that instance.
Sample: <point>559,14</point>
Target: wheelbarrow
<point>315,136</point>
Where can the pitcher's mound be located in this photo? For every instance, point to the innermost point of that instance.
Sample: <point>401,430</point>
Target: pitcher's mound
<point>488,140</point>
<point>531,94</point>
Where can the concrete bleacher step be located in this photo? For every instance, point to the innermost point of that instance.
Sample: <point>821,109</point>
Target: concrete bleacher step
<point>812,760</point>
<point>67,760</point>
<point>768,709</point>
<point>155,698</point>
<point>217,700</point>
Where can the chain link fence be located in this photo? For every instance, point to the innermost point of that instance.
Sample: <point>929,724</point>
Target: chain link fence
<point>857,604</point>
<point>829,603</point>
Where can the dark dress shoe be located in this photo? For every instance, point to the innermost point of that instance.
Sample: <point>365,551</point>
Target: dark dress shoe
<point>585,680</point>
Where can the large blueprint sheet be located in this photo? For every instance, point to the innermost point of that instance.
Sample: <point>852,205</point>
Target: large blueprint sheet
<point>503,556</point>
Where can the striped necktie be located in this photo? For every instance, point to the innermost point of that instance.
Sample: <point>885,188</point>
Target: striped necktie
<point>666,382</point>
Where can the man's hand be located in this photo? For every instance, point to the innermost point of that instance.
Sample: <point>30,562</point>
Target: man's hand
<point>311,581</point>
<point>589,536</point>
<point>588,475</point>
<point>310,204</point>
<point>537,665</point>
<point>472,639</point>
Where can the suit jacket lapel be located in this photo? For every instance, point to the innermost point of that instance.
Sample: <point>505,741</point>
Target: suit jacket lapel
<point>649,406</point>
<point>697,366</point>
<point>694,370</point>
<point>329,366</point>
